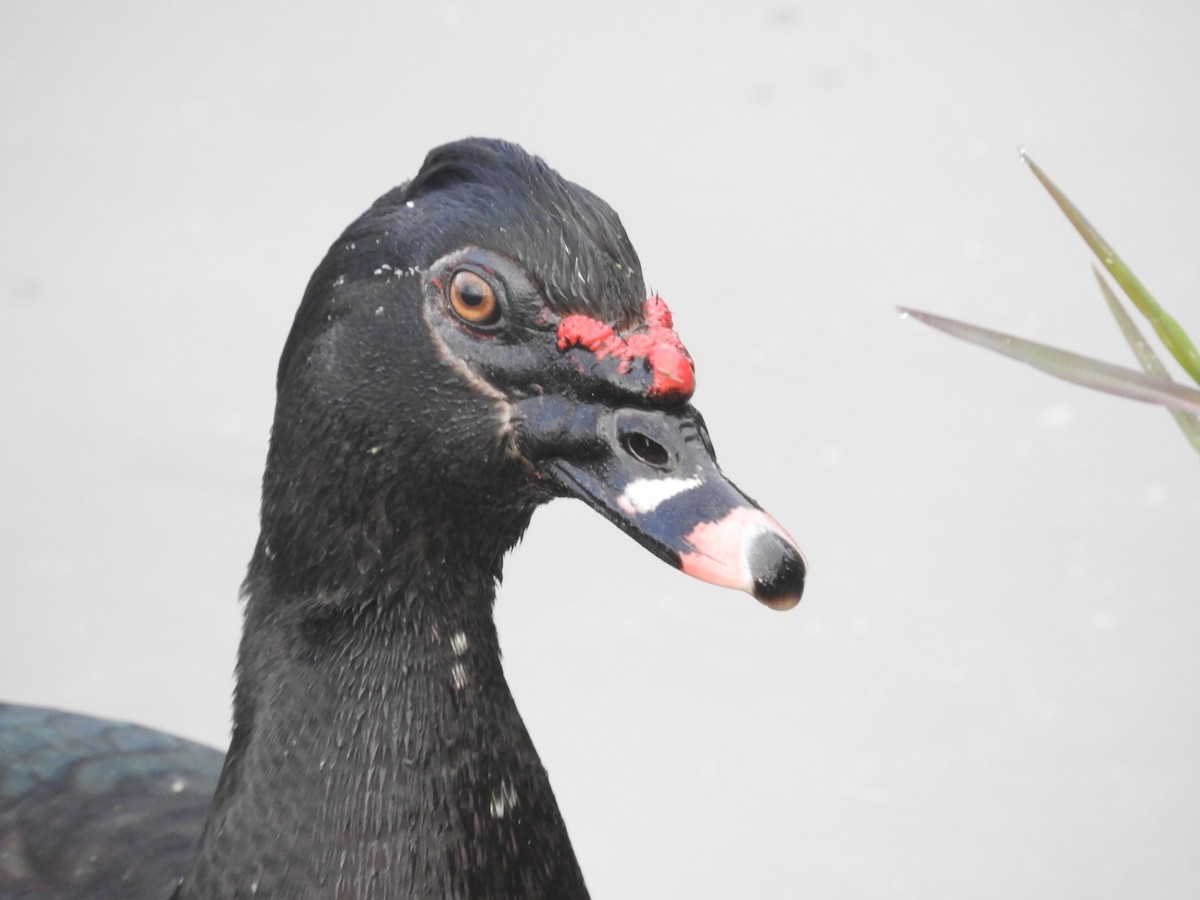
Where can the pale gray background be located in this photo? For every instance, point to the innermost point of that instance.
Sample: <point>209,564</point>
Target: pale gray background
<point>991,688</point>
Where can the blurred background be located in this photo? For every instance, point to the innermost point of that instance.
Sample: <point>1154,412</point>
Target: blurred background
<point>990,689</point>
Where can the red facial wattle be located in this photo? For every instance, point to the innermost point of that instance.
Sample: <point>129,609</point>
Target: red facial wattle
<point>672,374</point>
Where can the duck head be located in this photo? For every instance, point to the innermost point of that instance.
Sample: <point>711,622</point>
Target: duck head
<point>479,342</point>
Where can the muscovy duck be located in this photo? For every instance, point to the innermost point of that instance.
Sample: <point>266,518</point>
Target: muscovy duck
<point>475,344</point>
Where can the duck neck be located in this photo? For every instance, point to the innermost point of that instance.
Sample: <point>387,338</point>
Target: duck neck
<point>377,752</point>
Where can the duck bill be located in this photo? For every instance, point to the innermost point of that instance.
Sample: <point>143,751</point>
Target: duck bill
<point>654,475</point>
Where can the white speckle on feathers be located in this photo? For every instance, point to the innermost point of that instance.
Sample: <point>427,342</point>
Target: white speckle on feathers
<point>504,799</point>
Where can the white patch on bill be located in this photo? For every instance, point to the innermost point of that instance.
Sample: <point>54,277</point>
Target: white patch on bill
<point>645,495</point>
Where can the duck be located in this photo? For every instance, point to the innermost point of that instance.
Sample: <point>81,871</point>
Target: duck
<point>477,343</point>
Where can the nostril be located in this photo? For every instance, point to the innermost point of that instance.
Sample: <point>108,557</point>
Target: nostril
<point>645,449</point>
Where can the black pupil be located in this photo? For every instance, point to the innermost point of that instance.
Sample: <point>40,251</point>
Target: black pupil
<point>472,292</point>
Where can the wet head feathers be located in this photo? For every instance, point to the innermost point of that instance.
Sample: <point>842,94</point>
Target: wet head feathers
<point>490,194</point>
<point>495,195</point>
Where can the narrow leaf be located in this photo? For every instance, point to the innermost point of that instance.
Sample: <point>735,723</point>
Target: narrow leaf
<point>1174,338</point>
<point>1189,425</point>
<point>1082,370</point>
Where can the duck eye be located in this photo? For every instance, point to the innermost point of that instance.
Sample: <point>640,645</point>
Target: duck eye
<point>473,299</point>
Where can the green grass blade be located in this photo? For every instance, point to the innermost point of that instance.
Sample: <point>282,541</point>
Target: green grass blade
<point>1189,425</point>
<point>1082,370</point>
<point>1174,338</point>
